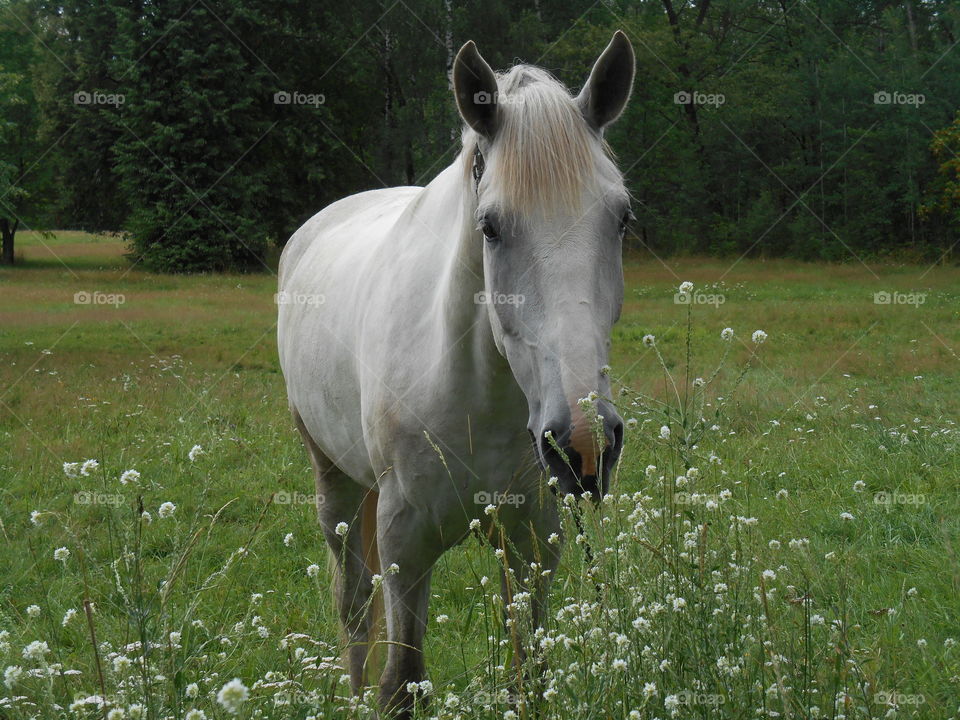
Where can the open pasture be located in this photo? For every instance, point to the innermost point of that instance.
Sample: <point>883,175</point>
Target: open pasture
<point>808,568</point>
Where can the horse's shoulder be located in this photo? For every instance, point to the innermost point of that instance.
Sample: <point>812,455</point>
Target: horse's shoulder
<point>351,209</point>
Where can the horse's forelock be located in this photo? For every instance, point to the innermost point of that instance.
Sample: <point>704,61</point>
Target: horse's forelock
<point>544,155</point>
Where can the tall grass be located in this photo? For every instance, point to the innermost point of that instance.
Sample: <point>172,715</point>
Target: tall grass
<point>787,559</point>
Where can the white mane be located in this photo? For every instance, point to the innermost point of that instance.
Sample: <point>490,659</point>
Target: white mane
<point>544,155</point>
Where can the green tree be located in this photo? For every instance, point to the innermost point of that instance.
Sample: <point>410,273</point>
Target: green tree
<point>198,104</point>
<point>78,68</point>
<point>18,125</point>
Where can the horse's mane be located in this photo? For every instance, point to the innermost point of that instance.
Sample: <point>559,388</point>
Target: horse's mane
<point>544,154</point>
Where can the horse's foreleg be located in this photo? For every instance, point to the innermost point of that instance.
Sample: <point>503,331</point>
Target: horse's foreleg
<point>531,564</point>
<point>339,500</point>
<point>404,538</point>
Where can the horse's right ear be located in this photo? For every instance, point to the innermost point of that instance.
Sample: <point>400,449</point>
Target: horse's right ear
<point>475,87</point>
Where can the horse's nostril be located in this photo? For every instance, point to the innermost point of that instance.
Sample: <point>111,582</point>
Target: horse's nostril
<point>550,439</point>
<point>617,441</point>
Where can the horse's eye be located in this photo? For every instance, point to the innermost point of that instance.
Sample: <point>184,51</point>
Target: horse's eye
<point>624,221</point>
<point>488,230</point>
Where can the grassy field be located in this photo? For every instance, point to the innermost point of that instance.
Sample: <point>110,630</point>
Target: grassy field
<point>807,568</point>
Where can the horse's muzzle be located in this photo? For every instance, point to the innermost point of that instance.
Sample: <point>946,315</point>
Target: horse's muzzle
<point>579,457</point>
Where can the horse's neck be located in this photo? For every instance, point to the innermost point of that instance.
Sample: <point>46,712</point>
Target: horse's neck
<point>463,344</point>
<point>465,321</point>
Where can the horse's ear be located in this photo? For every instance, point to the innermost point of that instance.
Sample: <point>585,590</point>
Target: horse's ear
<point>605,95</point>
<point>475,87</point>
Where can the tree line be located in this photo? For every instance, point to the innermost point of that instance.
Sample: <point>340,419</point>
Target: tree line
<point>209,130</point>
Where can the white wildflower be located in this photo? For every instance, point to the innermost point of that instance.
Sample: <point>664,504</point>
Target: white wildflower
<point>36,650</point>
<point>12,675</point>
<point>232,696</point>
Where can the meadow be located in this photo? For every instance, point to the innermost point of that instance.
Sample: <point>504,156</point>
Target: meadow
<point>786,547</point>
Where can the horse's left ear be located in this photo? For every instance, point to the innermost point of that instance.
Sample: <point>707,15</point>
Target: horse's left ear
<point>605,95</point>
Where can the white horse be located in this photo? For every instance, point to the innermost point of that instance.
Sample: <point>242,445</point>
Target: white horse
<point>420,327</point>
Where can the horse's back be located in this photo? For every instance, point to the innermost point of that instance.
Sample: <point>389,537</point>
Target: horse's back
<point>323,282</point>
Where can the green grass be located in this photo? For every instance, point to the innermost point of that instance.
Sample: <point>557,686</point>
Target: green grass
<point>844,391</point>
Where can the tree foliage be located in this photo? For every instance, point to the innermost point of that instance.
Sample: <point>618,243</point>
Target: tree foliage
<point>776,128</point>
<point>18,127</point>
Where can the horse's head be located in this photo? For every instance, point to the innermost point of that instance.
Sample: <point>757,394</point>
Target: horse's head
<point>551,214</point>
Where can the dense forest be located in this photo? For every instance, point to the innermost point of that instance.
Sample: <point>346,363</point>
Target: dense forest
<point>208,130</point>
